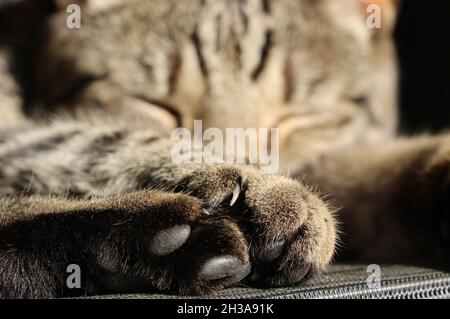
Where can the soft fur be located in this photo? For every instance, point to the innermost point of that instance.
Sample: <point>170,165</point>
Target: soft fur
<point>86,176</point>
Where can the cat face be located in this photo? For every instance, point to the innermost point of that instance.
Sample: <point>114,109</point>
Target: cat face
<point>313,69</point>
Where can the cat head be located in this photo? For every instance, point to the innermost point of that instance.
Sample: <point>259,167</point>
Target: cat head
<point>322,71</point>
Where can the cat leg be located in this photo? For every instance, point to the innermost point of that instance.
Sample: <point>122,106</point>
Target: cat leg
<point>290,230</point>
<point>394,199</point>
<point>140,241</point>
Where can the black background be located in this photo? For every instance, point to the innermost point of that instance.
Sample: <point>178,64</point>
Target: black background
<point>423,38</point>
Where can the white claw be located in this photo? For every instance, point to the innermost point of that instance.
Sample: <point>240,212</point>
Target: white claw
<point>236,192</point>
<point>205,212</point>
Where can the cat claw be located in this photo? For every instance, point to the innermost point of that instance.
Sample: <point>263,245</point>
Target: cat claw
<point>236,192</point>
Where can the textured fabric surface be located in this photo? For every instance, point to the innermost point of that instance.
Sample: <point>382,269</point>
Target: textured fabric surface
<point>341,281</point>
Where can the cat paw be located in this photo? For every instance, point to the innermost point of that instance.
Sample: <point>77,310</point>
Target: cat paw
<point>290,231</point>
<point>168,242</point>
<point>268,226</point>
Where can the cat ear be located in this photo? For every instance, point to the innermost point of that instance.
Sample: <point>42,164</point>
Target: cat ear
<point>379,16</point>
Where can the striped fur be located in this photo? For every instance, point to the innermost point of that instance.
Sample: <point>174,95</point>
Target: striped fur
<point>86,175</point>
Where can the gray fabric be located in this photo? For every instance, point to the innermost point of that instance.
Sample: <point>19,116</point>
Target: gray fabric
<point>341,281</point>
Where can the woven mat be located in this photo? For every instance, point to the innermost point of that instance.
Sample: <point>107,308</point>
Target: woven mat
<point>340,281</point>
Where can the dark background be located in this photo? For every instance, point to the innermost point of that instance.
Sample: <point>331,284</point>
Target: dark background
<point>423,38</point>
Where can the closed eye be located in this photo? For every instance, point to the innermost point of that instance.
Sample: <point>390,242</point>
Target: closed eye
<point>362,101</point>
<point>167,107</point>
<point>76,88</point>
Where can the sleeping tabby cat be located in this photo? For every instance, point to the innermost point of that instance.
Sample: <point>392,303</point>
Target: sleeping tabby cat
<point>86,175</point>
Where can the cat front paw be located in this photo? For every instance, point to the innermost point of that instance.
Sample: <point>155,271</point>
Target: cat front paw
<point>291,232</point>
<point>167,242</point>
<point>268,226</point>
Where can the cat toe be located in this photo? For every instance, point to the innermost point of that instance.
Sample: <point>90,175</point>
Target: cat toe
<point>170,239</point>
<point>271,252</point>
<point>225,267</point>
